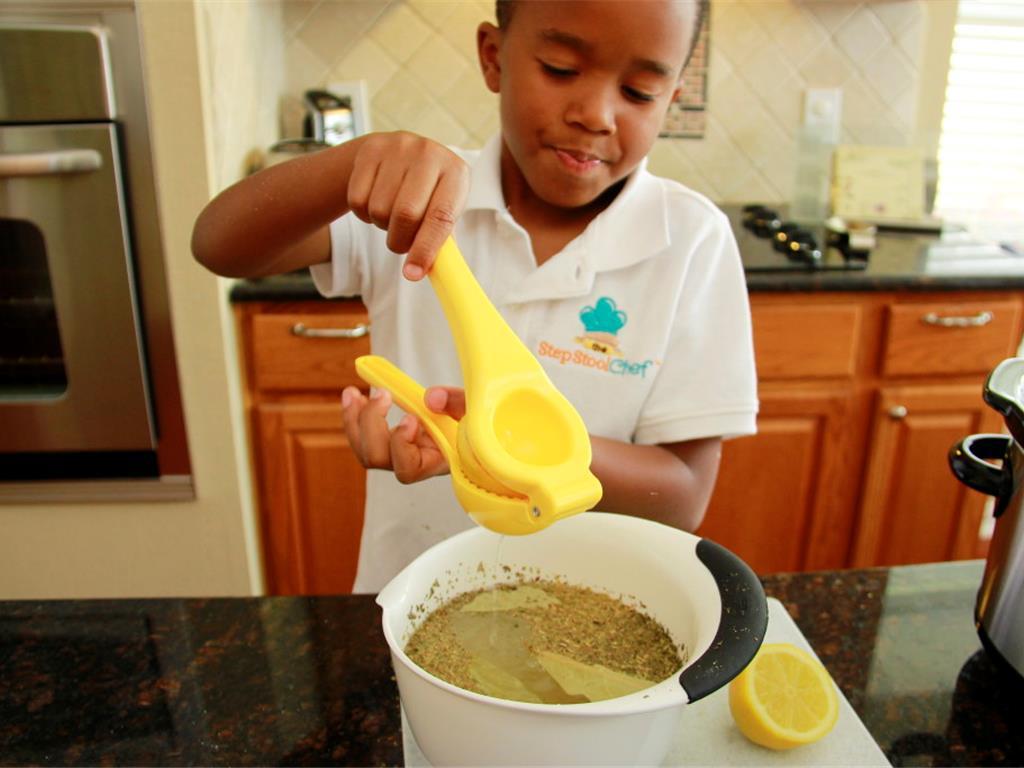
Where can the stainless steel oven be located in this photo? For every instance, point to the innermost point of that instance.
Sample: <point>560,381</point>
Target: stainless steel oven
<point>84,372</point>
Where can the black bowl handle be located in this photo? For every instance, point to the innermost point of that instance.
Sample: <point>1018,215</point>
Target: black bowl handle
<point>742,626</point>
<point>967,460</point>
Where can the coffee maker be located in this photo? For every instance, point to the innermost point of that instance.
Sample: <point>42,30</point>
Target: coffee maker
<point>329,118</point>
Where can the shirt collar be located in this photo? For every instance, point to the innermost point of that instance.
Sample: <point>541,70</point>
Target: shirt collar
<point>485,179</point>
<point>634,227</point>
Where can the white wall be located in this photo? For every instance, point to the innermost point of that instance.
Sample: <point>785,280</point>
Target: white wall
<point>241,50</point>
<point>208,546</point>
<point>419,60</point>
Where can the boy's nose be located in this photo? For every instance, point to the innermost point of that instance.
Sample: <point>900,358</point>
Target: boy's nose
<point>593,108</point>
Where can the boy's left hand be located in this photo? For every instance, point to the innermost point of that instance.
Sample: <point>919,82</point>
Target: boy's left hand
<point>407,449</point>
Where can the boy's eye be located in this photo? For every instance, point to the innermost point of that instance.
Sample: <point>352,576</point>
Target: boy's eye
<point>635,95</point>
<point>554,71</point>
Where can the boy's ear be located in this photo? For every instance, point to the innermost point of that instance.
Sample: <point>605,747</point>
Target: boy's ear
<point>678,88</point>
<point>488,48</point>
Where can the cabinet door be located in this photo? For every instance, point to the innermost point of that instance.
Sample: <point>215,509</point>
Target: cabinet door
<point>779,499</point>
<point>312,494</point>
<point>913,509</point>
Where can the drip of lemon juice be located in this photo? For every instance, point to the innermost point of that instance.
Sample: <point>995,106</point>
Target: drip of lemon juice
<point>493,635</point>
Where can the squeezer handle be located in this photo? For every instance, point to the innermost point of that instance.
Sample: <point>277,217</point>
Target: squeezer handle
<point>408,395</point>
<point>487,347</point>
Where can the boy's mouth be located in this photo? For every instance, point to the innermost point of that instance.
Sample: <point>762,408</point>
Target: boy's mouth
<point>576,160</point>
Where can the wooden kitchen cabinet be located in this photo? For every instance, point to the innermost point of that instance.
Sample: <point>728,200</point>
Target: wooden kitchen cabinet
<point>862,395</point>
<point>777,490</point>
<point>312,493</point>
<point>914,510</point>
<point>784,499</point>
<point>311,488</point>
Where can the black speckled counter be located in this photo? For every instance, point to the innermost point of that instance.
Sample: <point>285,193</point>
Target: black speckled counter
<point>307,681</point>
<point>294,286</point>
<point>900,262</point>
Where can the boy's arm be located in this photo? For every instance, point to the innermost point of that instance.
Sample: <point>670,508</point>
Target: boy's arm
<point>277,220</point>
<point>670,483</point>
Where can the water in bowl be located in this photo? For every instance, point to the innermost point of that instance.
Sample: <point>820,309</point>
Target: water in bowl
<point>544,642</point>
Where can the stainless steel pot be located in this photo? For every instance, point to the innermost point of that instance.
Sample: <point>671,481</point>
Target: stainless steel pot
<point>999,611</point>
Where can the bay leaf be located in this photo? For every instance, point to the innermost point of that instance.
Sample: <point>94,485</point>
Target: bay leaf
<point>494,681</point>
<point>511,599</point>
<point>596,682</point>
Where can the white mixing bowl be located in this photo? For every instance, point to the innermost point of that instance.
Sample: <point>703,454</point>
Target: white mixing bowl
<point>707,598</point>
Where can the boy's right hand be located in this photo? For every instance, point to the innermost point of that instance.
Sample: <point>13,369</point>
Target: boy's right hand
<point>413,188</point>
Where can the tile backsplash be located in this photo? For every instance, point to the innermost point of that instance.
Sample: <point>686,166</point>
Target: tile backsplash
<point>419,60</point>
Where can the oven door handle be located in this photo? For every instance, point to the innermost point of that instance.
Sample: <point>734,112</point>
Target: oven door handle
<point>49,163</point>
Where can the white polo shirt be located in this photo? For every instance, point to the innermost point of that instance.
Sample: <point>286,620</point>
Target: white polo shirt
<point>642,321</point>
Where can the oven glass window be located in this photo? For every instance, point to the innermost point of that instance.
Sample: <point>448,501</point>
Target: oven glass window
<point>31,356</point>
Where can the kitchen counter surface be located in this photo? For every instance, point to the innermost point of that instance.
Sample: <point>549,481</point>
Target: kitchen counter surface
<point>307,681</point>
<point>901,262</point>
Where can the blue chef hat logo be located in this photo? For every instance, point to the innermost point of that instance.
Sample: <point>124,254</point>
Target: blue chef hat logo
<point>604,317</point>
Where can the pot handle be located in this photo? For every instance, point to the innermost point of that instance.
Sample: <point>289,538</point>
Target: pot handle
<point>741,627</point>
<point>967,460</point>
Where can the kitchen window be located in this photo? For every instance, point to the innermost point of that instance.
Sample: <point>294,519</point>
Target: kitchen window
<point>981,149</point>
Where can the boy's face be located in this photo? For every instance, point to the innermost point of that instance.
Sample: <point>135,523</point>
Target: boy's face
<point>584,87</point>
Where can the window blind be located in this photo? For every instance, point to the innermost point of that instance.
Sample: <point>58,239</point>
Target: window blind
<point>981,145</point>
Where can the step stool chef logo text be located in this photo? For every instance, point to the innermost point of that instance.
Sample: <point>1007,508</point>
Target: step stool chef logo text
<point>601,325</point>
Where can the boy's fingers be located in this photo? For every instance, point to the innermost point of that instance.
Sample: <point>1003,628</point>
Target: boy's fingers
<point>406,455</point>
<point>374,433</point>
<point>360,184</point>
<point>382,197</point>
<point>410,205</point>
<point>414,454</point>
<point>446,204</point>
<point>447,400</point>
<point>352,402</point>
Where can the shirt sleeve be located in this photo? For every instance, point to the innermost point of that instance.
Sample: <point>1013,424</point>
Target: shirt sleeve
<point>347,273</point>
<point>707,383</point>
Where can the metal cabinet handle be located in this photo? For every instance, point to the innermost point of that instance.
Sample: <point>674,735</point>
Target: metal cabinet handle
<point>898,412</point>
<point>356,332</point>
<point>982,318</point>
<point>50,163</point>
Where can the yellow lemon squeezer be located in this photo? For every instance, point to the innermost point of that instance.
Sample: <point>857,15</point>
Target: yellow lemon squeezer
<point>520,457</point>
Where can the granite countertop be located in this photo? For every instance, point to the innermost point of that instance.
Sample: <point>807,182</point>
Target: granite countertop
<point>307,680</point>
<point>901,261</point>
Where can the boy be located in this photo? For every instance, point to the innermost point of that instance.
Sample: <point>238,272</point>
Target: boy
<point>627,287</point>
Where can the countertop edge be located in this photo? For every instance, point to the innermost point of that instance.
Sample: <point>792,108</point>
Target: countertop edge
<point>298,288</point>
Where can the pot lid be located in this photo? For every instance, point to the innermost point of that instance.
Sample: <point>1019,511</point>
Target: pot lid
<point>1004,391</point>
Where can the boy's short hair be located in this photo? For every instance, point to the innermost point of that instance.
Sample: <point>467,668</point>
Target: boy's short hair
<point>503,10</point>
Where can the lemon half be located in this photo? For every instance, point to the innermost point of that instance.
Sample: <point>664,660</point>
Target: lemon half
<point>784,698</point>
